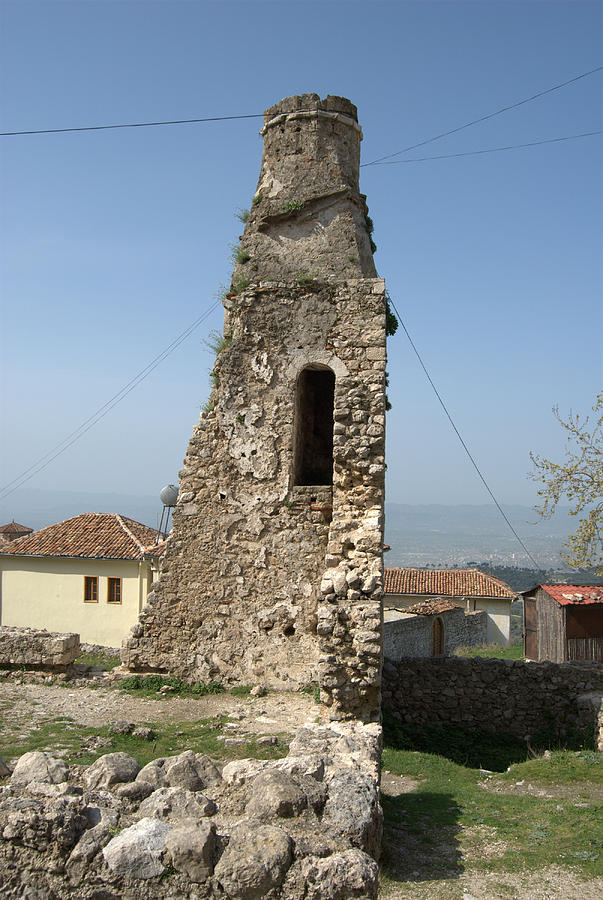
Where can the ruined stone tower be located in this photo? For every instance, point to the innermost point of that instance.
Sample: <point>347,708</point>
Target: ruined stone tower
<point>273,571</point>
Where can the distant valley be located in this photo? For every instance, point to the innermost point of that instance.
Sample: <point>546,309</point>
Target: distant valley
<point>434,535</point>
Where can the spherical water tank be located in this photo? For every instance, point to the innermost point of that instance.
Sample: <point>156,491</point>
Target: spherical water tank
<point>169,495</point>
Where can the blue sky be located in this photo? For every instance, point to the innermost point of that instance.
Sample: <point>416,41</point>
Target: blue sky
<point>113,242</point>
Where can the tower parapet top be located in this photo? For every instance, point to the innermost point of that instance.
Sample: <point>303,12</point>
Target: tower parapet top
<point>308,216</point>
<point>311,106</point>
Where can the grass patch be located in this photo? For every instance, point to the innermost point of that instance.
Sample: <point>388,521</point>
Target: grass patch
<point>203,736</point>
<point>240,690</point>
<point>424,828</point>
<point>492,651</point>
<point>560,767</point>
<point>151,685</point>
<point>98,660</point>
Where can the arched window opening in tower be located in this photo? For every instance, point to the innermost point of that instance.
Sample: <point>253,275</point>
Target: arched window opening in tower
<point>314,427</point>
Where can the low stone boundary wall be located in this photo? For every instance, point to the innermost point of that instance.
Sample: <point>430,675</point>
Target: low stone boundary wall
<point>497,695</point>
<point>306,827</point>
<point>30,647</point>
<point>411,636</point>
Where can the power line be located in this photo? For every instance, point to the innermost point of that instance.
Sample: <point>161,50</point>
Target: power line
<point>261,115</point>
<point>103,410</point>
<point>132,125</point>
<point>464,445</point>
<point>571,137</point>
<point>491,115</point>
<point>145,124</point>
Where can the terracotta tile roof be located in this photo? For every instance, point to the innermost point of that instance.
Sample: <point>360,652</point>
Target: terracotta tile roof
<point>431,607</point>
<point>15,528</point>
<point>446,583</point>
<point>91,535</point>
<point>568,594</point>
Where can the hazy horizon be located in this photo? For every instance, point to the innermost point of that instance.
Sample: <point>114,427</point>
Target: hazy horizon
<point>419,534</point>
<point>113,242</point>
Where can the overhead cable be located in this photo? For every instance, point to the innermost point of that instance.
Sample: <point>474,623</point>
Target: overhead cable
<point>464,445</point>
<point>491,115</point>
<point>555,87</point>
<point>132,125</point>
<point>413,159</point>
<point>102,411</point>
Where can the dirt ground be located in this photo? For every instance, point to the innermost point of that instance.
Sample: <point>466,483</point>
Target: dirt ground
<point>30,704</point>
<point>23,706</point>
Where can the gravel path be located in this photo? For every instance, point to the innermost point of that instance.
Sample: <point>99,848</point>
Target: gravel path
<point>26,705</point>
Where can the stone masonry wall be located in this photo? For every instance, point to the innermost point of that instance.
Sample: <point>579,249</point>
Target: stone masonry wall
<point>32,647</point>
<point>494,694</point>
<point>306,826</point>
<point>411,636</point>
<point>265,579</point>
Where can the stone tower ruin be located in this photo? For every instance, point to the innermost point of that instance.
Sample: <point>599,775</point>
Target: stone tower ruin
<point>273,571</point>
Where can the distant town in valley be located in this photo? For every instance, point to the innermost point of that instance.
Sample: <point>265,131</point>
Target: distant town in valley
<point>422,536</point>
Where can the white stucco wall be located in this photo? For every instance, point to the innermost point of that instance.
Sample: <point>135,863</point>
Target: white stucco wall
<point>48,593</point>
<point>499,620</point>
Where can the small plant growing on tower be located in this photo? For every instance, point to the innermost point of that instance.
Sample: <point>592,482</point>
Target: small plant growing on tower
<point>370,227</point>
<point>293,205</point>
<point>391,320</point>
<point>242,215</point>
<point>217,342</point>
<point>240,284</point>
<point>257,199</point>
<point>239,254</point>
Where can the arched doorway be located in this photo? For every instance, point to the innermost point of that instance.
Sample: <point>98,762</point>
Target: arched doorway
<point>315,394</point>
<point>437,637</point>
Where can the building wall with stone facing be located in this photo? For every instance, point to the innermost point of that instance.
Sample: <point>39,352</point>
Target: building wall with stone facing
<point>411,636</point>
<point>509,696</point>
<point>268,577</point>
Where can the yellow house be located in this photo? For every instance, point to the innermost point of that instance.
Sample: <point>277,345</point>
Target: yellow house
<point>90,575</point>
<point>469,588</point>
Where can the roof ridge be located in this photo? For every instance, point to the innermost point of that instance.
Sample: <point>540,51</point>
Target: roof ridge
<point>128,532</point>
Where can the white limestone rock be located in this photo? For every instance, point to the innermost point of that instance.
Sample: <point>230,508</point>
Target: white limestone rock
<point>255,862</point>
<point>137,850</point>
<point>177,803</point>
<point>40,767</point>
<point>341,876</point>
<point>191,846</point>
<point>111,769</point>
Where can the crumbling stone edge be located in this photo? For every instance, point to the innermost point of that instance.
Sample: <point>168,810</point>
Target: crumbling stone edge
<point>306,827</point>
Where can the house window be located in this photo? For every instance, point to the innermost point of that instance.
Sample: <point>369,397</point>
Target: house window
<point>113,590</point>
<point>90,589</point>
<point>314,427</point>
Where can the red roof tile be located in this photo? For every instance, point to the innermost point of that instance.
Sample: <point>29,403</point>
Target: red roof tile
<point>15,528</point>
<point>446,583</point>
<point>568,594</point>
<point>91,535</point>
<point>431,607</point>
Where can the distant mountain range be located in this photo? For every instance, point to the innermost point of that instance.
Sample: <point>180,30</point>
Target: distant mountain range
<point>435,535</point>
